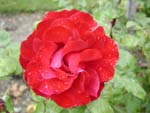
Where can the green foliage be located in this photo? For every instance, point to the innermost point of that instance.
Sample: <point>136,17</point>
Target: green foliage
<point>9,104</point>
<point>77,110</point>
<point>131,85</point>
<point>9,55</point>
<point>39,108</point>
<point>4,38</point>
<point>51,107</point>
<point>100,106</point>
<point>11,6</point>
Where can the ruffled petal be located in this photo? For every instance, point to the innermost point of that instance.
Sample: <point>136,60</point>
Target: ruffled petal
<point>92,82</point>
<point>99,92</point>
<point>61,83</point>
<point>72,60</point>
<point>58,35</point>
<point>74,96</point>
<point>90,55</point>
<point>103,68</point>
<point>83,17</point>
<point>74,46</point>
<point>110,50</point>
<point>26,51</point>
<point>90,38</point>
<point>62,14</point>
<point>105,71</point>
<point>42,27</point>
<point>56,61</point>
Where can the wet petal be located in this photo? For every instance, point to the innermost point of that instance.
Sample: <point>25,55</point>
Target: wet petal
<point>57,85</point>
<point>83,17</point>
<point>62,14</point>
<point>56,61</point>
<point>42,27</point>
<point>74,46</point>
<point>58,35</point>
<point>69,99</point>
<point>90,55</point>
<point>26,50</point>
<point>92,82</point>
<point>73,60</point>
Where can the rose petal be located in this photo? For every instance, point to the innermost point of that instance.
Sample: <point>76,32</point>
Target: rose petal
<point>104,69</point>
<point>26,51</point>
<point>58,35</point>
<point>62,14</point>
<point>57,85</point>
<point>42,27</point>
<point>73,60</point>
<point>56,61</point>
<point>90,38</point>
<point>23,61</point>
<point>46,52</point>
<point>69,99</point>
<point>74,46</point>
<point>63,22</point>
<point>36,44</point>
<point>106,72</point>
<point>99,92</point>
<point>83,17</point>
<point>90,55</point>
<point>51,15</point>
<point>82,28</point>
<point>110,50</point>
<point>92,82</point>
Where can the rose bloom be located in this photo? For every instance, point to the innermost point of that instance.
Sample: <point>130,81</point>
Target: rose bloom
<point>68,57</point>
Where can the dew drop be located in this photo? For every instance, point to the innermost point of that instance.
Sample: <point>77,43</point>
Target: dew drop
<point>66,83</point>
<point>57,90</point>
<point>29,73</point>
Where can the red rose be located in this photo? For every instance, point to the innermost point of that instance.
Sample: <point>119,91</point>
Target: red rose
<point>68,58</point>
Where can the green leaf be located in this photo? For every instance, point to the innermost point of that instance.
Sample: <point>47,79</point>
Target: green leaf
<point>51,107</point>
<point>9,61</point>
<point>147,104</point>
<point>78,109</point>
<point>7,66</point>
<point>133,25</point>
<point>9,104</point>
<point>64,111</point>
<point>133,104</point>
<point>146,51</point>
<point>36,98</point>
<point>126,61</point>
<point>131,85</point>
<point>100,106</point>
<point>39,108</point>
<point>4,38</point>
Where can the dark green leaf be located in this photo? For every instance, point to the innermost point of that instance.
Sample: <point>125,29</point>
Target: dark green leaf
<point>77,109</point>
<point>52,107</point>
<point>100,106</point>
<point>37,98</point>
<point>9,104</point>
<point>40,108</point>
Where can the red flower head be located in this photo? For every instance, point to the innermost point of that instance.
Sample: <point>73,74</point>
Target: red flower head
<point>68,58</point>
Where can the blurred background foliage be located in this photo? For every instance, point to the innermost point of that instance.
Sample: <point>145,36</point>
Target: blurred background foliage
<point>127,22</point>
